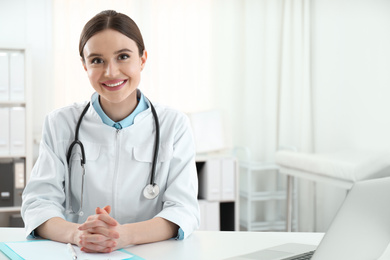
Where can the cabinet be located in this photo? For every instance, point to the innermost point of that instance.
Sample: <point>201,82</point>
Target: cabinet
<point>16,127</point>
<point>262,197</point>
<point>218,192</point>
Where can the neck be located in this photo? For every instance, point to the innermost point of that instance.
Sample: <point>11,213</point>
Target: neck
<point>121,110</point>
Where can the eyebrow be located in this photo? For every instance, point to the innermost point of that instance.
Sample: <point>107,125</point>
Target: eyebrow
<point>123,50</point>
<point>100,55</point>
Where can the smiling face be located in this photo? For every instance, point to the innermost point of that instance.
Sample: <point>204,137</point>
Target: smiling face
<point>114,67</point>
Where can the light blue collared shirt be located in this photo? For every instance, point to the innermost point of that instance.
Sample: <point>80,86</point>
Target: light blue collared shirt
<point>128,121</point>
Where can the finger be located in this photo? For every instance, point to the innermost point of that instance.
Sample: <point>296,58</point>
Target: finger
<point>107,232</point>
<point>93,224</point>
<point>98,210</point>
<point>107,209</point>
<point>107,219</point>
<point>105,250</point>
<point>95,248</point>
<point>97,239</point>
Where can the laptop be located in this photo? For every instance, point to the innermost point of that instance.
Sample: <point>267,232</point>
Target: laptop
<point>359,231</point>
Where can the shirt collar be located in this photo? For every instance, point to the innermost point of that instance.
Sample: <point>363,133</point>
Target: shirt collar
<point>126,122</point>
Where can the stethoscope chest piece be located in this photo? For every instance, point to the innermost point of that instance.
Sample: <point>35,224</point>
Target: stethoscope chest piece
<point>151,191</point>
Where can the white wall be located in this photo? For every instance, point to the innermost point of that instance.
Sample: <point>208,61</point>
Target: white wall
<point>27,24</point>
<point>351,82</point>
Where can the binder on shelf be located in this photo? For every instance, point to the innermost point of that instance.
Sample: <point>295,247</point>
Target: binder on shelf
<point>217,180</point>
<point>209,215</point>
<point>17,131</point>
<point>210,180</point>
<point>4,76</point>
<point>228,169</point>
<point>6,183</point>
<point>4,131</point>
<point>19,181</point>
<point>16,80</point>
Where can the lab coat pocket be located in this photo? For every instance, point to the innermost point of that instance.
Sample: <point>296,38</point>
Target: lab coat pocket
<point>91,151</point>
<point>145,152</point>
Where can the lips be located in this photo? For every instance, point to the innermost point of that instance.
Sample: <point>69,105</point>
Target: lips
<point>113,85</point>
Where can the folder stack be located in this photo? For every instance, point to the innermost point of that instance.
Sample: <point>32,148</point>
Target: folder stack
<point>217,193</point>
<point>12,102</point>
<point>12,76</point>
<point>217,180</point>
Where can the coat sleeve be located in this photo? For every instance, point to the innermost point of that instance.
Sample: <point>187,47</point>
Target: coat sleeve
<point>43,196</point>
<point>180,204</point>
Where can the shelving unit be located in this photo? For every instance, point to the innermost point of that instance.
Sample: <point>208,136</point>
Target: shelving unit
<point>14,66</point>
<point>262,208</point>
<point>218,192</point>
<point>10,209</point>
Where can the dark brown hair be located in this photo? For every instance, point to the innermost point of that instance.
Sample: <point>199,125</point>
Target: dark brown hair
<point>110,19</point>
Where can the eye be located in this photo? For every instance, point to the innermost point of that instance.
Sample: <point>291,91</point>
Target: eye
<point>96,61</point>
<point>123,56</point>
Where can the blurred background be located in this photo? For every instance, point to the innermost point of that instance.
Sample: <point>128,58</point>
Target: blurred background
<point>314,75</point>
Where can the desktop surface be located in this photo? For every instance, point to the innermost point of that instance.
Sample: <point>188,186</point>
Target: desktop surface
<point>201,244</point>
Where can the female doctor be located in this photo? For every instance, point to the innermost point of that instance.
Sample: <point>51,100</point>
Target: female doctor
<point>100,193</point>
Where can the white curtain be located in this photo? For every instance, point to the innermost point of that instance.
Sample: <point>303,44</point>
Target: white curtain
<point>295,102</point>
<point>248,58</point>
<point>273,92</point>
<point>271,96</point>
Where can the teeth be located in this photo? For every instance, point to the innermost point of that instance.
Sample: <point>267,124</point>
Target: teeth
<point>114,85</point>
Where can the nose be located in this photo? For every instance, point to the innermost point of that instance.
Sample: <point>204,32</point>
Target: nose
<point>111,69</point>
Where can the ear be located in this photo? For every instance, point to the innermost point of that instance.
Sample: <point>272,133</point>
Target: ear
<point>83,62</point>
<point>143,59</point>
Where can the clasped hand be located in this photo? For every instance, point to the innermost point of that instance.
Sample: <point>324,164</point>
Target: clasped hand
<point>100,233</point>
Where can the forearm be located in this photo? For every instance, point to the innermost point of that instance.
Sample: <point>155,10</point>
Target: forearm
<point>60,230</point>
<point>153,230</point>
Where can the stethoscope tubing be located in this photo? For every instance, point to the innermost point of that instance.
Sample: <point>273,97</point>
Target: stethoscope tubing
<point>76,138</point>
<point>156,144</point>
<point>151,190</point>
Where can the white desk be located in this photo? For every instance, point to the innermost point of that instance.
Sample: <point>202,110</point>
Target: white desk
<point>201,244</point>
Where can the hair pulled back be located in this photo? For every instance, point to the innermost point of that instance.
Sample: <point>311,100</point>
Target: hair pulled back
<point>110,19</point>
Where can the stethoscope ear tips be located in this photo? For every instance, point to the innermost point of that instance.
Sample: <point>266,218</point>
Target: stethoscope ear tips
<point>151,191</point>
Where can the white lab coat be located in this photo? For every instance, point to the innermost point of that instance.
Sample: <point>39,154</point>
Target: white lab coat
<point>118,167</point>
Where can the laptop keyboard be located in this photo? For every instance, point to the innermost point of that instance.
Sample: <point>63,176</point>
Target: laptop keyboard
<point>305,256</point>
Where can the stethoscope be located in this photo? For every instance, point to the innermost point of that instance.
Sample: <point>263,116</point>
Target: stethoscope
<point>151,190</point>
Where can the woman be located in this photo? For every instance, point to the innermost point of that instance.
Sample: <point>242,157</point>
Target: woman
<point>118,133</point>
